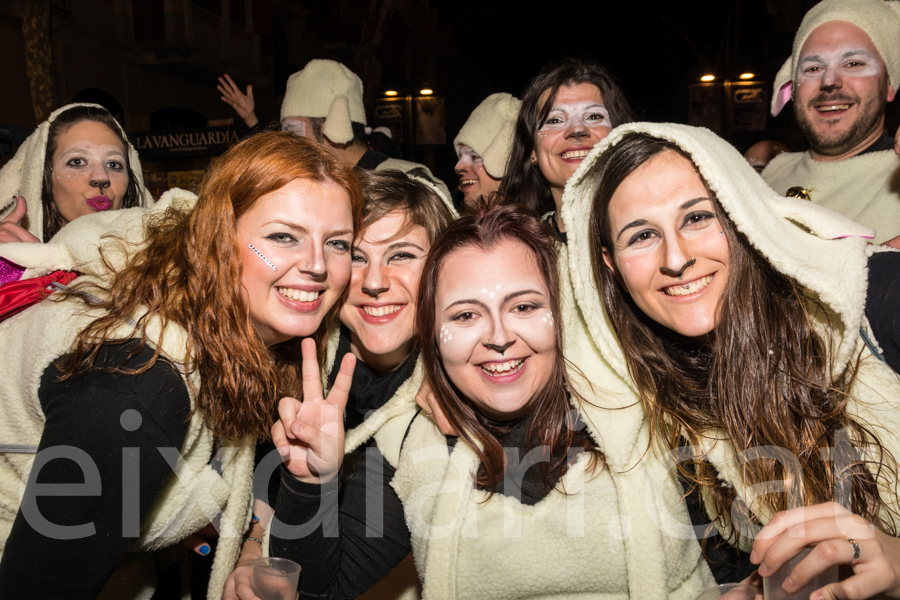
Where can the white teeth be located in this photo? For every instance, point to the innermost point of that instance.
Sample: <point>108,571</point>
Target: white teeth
<point>504,368</point>
<point>382,311</point>
<point>691,287</point>
<point>298,295</point>
<point>468,182</point>
<point>834,107</point>
<point>576,154</point>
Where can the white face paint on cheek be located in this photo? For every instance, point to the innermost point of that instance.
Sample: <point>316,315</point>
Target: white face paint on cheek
<point>548,318</point>
<point>843,62</point>
<point>265,260</point>
<point>564,116</point>
<point>446,336</point>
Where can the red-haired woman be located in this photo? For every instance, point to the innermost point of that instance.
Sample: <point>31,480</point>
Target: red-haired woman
<point>526,479</point>
<point>149,380</point>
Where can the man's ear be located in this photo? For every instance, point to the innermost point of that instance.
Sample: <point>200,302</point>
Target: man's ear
<point>611,264</point>
<point>891,93</point>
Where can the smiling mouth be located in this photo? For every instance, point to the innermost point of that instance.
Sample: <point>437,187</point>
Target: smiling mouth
<point>382,311</point>
<point>501,369</point>
<point>833,107</point>
<point>691,287</point>
<point>466,182</point>
<point>298,295</point>
<point>575,154</point>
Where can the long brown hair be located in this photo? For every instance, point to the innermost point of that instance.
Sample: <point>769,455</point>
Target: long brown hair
<point>189,274</point>
<point>764,377</point>
<point>53,219</point>
<point>524,181</point>
<point>549,425</point>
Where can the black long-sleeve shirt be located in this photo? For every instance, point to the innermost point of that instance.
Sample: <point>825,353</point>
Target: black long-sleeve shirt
<point>111,423</point>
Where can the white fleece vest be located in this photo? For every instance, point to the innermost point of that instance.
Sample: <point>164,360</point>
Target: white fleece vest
<point>615,534</point>
<point>864,188</point>
<point>193,496</point>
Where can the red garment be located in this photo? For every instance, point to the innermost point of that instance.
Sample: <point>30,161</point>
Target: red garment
<point>16,296</point>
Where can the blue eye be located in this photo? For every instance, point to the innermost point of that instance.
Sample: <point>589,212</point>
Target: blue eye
<point>281,238</point>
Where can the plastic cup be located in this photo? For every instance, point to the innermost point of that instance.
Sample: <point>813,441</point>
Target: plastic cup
<point>772,585</point>
<point>729,591</point>
<point>275,578</point>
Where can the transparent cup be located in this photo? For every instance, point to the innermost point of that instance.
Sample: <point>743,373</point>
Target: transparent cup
<point>772,585</point>
<point>729,591</point>
<point>275,578</point>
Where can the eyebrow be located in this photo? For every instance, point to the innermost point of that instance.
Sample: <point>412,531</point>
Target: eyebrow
<point>845,54</point>
<point>85,151</point>
<point>595,105</point>
<point>397,245</point>
<point>303,229</point>
<point>506,298</point>
<point>640,222</point>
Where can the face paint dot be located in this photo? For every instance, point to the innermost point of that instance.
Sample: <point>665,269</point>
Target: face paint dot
<point>498,287</point>
<point>491,294</point>
<point>449,337</point>
<point>484,290</point>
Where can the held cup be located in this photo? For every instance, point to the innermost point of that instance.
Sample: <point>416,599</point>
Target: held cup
<point>772,586</point>
<point>275,578</point>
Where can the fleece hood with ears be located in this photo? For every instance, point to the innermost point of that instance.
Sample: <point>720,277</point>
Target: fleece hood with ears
<point>822,250</point>
<point>24,175</point>
<point>489,132</point>
<point>879,19</point>
<point>326,89</point>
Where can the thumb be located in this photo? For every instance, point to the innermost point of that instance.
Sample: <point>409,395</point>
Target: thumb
<point>250,91</point>
<point>18,212</point>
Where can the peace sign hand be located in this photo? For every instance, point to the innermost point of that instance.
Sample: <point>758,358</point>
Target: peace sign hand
<point>309,435</point>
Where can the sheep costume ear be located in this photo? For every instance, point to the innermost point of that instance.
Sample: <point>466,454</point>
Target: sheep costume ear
<point>823,251</point>
<point>326,89</point>
<point>489,132</point>
<point>879,19</point>
<point>23,175</point>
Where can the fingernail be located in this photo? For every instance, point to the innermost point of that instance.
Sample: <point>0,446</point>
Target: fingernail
<point>788,584</point>
<point>204,549</point>
<point>817,595</point>
<point>283,450</point>
<point>764,570</point>
<point>754,557</point>
<point>255,519</point>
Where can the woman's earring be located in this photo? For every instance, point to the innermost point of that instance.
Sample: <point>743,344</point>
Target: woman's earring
<point>533,160</point>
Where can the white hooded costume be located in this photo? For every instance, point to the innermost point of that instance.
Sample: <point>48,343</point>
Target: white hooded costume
<point>865,187</point>
<point>23,175</point>
<point>43,333</point>
<point>821,250</point>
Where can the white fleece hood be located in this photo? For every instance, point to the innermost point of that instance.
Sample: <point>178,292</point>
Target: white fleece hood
<point>821,250</point>
<point>23,175</point>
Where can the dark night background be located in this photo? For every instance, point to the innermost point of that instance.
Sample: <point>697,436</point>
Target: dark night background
<point>159,59</point>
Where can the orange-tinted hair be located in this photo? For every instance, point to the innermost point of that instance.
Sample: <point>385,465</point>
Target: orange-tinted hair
<point>189,274</point>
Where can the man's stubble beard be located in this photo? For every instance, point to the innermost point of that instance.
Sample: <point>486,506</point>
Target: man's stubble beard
<point>835,143</point>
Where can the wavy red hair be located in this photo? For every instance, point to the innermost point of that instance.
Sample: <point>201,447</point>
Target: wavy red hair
<point>188,274</point>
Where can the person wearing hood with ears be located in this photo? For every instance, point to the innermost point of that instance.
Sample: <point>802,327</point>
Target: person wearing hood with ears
<point>483,145</point>
<point>752,327</point>
<point>324,102</point>
<point>843,70</point>
<point>77,162</point>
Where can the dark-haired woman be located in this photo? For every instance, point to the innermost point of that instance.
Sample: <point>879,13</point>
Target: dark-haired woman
<point>524,503</point>
<point>148,382</point>
<point>739,318</point>
<point>76,163</point>
<point>566,110</point>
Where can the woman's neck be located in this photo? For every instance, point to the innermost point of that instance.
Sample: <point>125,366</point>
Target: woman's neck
<point>381,364</point>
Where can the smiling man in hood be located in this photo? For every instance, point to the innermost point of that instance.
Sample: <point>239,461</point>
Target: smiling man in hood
<point>844,69</point>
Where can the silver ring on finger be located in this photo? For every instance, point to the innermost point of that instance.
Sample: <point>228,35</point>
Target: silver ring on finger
<point>855,545</point>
